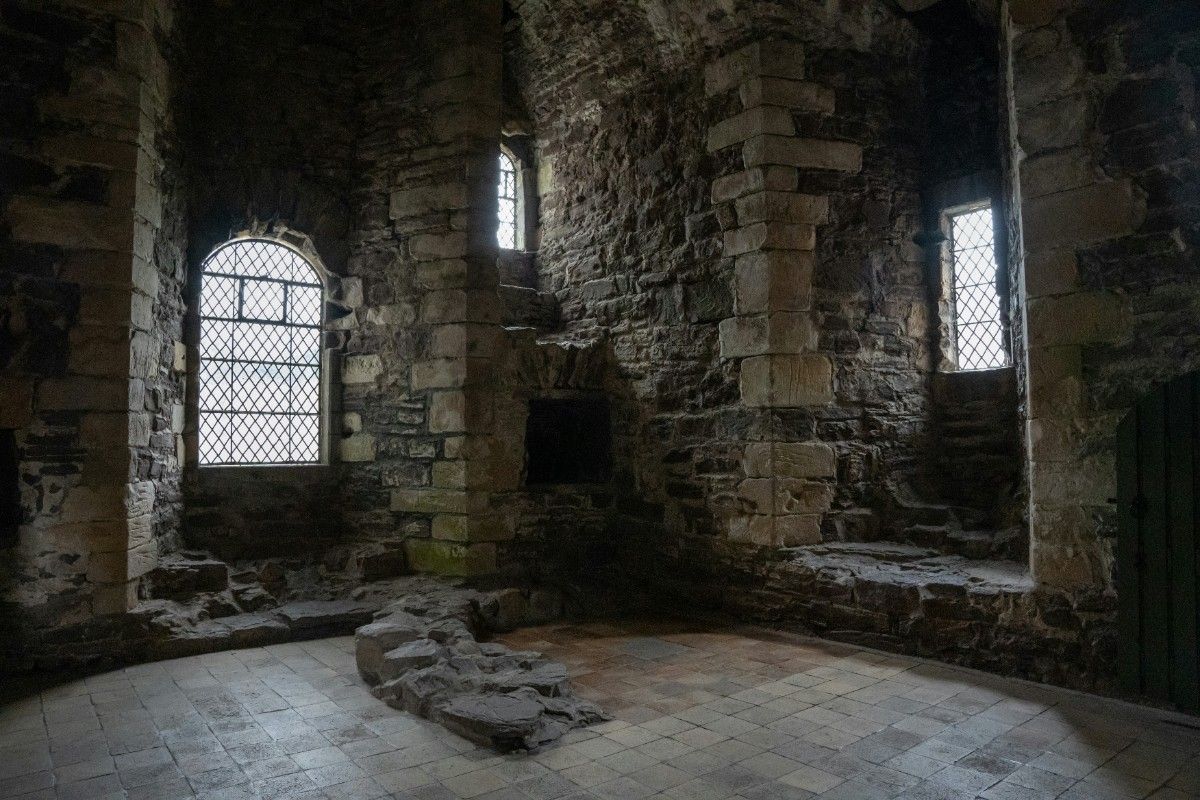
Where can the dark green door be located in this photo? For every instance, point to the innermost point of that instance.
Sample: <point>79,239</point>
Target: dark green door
<point>1158,466</point>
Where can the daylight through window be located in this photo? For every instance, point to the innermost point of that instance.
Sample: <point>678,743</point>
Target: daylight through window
<point>978,321</point>
<point>506,233</point>
<point>260,356</point>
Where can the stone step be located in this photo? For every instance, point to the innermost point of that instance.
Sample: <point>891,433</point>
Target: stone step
<point>971,544</point>
<point>185,575</point>
<point>174,630</point>
<point>316,618</point>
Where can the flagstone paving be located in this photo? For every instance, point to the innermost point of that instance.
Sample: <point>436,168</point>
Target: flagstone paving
<point>698,714</point>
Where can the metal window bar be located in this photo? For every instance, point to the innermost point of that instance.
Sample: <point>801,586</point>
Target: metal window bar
<point>506,192</point>
<point>260,356</point>
<point>979,330</point>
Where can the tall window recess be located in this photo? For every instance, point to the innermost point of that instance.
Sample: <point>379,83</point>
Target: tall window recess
<point>508,193</point>
<point>260,374</point>
<point>976,309</point>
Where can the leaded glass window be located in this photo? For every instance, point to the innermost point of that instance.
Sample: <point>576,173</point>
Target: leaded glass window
<point>260,356</point>
<point>979,331</point>
<point>506,233</point>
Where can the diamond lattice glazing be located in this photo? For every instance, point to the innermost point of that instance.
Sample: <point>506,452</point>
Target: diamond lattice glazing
<point>978,321</point>
<point>260,356</point>
<point>506,232</point>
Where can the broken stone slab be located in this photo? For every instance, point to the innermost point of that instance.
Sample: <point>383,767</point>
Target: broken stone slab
<point>421,691</point>
<point>549,679</point>
<point>324,617</point>
<point>372,642</point>
<point>177,636</point>
<point>517,720</point>
<point>412,655</point>
<point>380,564</point>
<point>503,721</point>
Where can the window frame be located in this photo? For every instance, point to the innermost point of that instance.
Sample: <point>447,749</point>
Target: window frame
<point>950,349</point>
<point>302,249</point>
<point>518,200</point>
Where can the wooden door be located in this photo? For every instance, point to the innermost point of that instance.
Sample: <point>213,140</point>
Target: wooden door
<point>1158,464</point>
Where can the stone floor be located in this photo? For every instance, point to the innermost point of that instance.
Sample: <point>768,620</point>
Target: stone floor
<point>699,715</point>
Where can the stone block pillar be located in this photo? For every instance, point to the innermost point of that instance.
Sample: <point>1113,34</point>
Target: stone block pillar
<point>459,309</point>
<point>109,119</point>
<point>1068,204</point>
<point>771,235</point>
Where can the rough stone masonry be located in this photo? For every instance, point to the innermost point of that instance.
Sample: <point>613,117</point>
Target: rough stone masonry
<point>733,254</point>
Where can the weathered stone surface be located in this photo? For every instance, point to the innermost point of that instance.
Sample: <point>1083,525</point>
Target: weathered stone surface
<point>503,721</point>
<point>798,95</point>
<point>1082,216</point>
<point>394,179</point>
<point>780,59</point>
<point>361,369</point>
<point>802,153</point>
<point>416,654</point>
<point>324,617</point>
<point>373,641</point>
<point>255,630</point>
<point>758,121</point>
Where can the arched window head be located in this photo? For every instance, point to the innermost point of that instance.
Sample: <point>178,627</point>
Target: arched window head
<point>508,232</point>
<point>260,356</point>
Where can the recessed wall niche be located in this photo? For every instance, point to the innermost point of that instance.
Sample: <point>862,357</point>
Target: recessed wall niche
<point>568,441</point>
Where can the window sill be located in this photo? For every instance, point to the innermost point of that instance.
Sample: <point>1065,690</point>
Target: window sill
<point>269,472</point>
<point>986,371</point>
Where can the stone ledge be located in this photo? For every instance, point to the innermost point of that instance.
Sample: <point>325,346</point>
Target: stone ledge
<point>987,615</point>
<point>910,566</point>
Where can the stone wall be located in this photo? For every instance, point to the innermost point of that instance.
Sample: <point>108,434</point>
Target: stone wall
<point>425,249</point>
<point>373,155</point>
<point>91,235</point>
<point>1105,117</point>
<point>730,195</point>
<point>735,240</point>
<point>269,120</point>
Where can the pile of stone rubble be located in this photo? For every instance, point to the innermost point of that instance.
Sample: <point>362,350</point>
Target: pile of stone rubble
<point>423,654</point>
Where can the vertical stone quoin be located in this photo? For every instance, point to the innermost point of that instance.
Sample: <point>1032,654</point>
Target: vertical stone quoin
<point>114,252</point>
<point>771,233</point>
<point>1074,205</point>
<point>445,202</point>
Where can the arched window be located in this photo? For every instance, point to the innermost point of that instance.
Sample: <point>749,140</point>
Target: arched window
<point>260,356</point>
<point>508,234</point>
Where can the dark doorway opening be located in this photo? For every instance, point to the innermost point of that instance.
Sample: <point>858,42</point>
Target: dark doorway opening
<point>568,441</point>
<point>1158,571</point>
<point>10,490</point>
